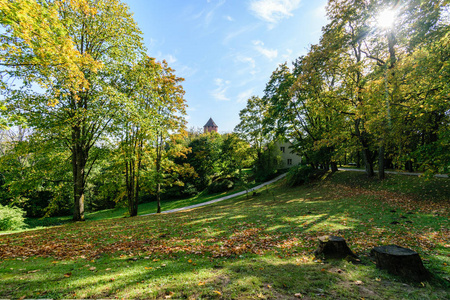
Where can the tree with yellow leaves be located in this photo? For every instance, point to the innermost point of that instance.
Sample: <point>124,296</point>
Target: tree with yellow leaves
<point>70,49</point>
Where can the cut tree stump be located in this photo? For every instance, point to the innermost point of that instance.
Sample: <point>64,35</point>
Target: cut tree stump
<point>400,261</point>
<point>333,247</point>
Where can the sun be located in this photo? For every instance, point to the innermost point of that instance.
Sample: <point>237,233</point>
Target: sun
<point>386,18</point>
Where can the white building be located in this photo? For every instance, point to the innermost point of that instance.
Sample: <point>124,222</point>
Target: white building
<point>289,157</point>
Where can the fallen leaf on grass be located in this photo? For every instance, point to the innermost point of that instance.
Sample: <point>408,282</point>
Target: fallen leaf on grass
<point>218,293</point>
<point>92,268</point>
<point>148,268</point>
<point>68,274</point>
<point>34,271</point>
<point>358,282</point>
<point>108,269</point>
<point>298,295</point>
<point>201,283</point>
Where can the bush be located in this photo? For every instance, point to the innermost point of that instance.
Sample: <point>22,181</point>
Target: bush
<point>220,186</point>
<point>190,190</point>
<point>11,218</point>
<point>298,175</point>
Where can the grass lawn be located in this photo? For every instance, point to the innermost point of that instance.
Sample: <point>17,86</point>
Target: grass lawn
<point>256,248</point>
<point>144,209</point>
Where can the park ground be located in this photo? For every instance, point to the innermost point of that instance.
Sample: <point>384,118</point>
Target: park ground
<point>257,247</point>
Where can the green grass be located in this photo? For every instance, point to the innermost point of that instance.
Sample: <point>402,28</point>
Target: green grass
<point>256,248</point>
<point>120,212</point>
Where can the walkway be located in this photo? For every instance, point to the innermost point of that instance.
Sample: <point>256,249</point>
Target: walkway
<point>272,181</point>
<point>393,172</point>
<point>221,198</point>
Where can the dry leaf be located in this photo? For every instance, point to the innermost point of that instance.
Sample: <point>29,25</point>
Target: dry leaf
<point>92,268</point>
<point>68,274</point>
<point>298,295</point>
<point>34,271</point>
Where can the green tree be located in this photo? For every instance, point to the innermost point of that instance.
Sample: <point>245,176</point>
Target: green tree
<point>171,110</point>
<point>104,33</point>
<point>205,158</point>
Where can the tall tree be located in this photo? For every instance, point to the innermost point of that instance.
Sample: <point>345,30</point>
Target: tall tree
<point>171,110</point>
<point>251,126</point>
<point>105,37</point>
<point>136,125</point>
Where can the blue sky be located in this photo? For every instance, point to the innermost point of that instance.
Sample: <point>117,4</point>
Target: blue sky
<point>226,49</point>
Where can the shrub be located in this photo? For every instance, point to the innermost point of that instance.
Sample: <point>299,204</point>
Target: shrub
<point>11,218</point>
<point>220,186</point>
<point>298,175</point>
<point>190,190</point>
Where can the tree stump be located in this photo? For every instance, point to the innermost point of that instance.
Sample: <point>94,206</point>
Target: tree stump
<point>400,261</point>
<point>333,247</point>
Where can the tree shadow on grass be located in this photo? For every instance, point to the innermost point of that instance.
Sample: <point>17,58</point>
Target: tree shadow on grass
<point>245,277</point>
<point>280,227</point>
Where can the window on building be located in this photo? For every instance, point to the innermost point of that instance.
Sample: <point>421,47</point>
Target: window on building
<point>289,162</point>
<point>282,149</point>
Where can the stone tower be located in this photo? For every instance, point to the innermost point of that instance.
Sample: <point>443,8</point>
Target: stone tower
<point>210,126</point>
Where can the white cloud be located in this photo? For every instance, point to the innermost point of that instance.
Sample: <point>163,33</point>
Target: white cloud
<point>171,59</point>
<point>247,60</point>
<point>229,18</point>
<point>273,11</point>
<point>288,54</point>
<point>234,34</point>
<point>222,87</point>
<point>185,71</point>
<point>244,96</point>
<point>210,14</point>
<point>167,57</point>
<point>269,53</point>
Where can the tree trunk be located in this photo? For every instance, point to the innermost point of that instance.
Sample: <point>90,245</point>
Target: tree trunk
<point>333,247</point>
<point>78,164</point>
<point>158,197</point>
<point>358,159</point>
<point>158,171</point>
<point>368,163</point>
<point>381,174</point>
<point>400,261</point>
<point>334,167</point>
<point>135,205</point>
<point>409,166</point>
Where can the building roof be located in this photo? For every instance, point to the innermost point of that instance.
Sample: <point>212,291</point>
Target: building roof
<point>210,123</point>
